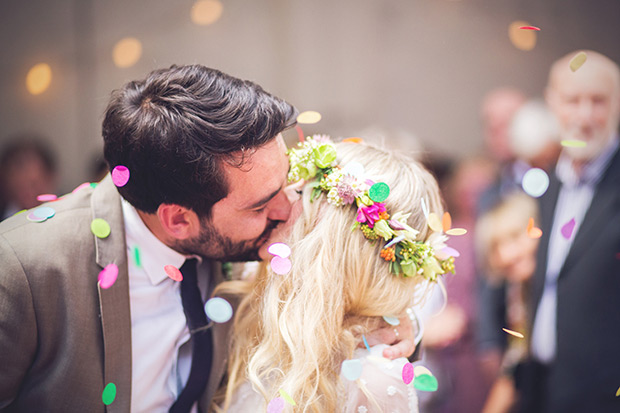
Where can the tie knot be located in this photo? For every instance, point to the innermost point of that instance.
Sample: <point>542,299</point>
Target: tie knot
<point>189,269</point>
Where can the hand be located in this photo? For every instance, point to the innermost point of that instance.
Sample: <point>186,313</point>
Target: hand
<point>400,338</point>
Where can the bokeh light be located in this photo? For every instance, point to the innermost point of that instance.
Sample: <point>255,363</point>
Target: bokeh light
<point>522,39</point>
<point>39,78</point>
<point>127,52</point>
<point>205,12</point>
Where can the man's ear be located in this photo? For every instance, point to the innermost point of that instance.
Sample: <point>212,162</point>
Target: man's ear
<point>177,221</point>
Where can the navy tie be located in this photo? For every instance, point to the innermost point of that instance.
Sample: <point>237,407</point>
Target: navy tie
<point>202,339</point>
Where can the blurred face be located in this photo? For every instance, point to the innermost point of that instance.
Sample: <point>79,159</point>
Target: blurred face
<point>256,203</point>
<point>513,254</point>
<point>587,105</point>
<point>27,178</point>
<point>497,112</point>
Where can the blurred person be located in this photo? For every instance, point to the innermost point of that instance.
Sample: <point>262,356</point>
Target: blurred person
<point>27,170</point>
<point>509,258</point>
<point>575,336</point>
<point>449,339</point>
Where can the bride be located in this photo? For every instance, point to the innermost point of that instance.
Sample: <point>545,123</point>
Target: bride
<point>361,250</point>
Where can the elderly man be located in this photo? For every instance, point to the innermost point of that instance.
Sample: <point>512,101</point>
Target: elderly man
<point>575,336</point>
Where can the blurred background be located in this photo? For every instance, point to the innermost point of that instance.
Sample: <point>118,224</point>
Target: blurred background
<point>420,67</point>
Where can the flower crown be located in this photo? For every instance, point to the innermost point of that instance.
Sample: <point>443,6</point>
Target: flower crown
<point>314,160</point>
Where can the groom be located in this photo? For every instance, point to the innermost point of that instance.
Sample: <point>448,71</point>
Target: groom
<point>207,174</point>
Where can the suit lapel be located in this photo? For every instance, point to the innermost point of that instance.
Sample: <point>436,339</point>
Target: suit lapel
<point>114,301</point>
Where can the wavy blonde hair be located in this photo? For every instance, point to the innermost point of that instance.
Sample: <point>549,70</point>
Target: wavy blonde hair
<point>292,332</point>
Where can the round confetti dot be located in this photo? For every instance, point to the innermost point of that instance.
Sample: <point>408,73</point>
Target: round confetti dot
<point>577,61</point>
<point>407,373</point>
<point>276,405</point>
<point>93,185</point>
<point>352,369</point>
<point>529,28</point>
<point>456,231</point>
<point>100,227</point>
<point>567,229</point>
<point>353,140</point>
<point>281,266</point>
<point>425,382</point>
<point>513,333</point>
<point>33,218</point>
<point>379,192</point>
<point>81,186</point>
<point>434,222</point>
<point>173,272</point>
<point>618,392</point>
<point>109,394</point>
<point>309,117</point>
<point>287,398</point>
<point>120,175</point>
<point>573,143</point>
<point>44,212</point>
<point>419,370</point>
<point>107,276</point>
<point>355,169</point>
<point>46,197</point>
<point>218,310</point>
<point>446,221</point>
<point>279,249</point>
<point>391,320</point>
<point>535,182</point>
<point>451,252</point>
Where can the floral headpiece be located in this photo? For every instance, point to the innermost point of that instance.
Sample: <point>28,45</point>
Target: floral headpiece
<point>315,160</point>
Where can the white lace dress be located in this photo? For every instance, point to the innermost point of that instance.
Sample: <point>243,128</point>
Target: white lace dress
<point>381,379</point>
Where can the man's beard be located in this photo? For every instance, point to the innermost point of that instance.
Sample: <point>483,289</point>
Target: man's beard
<point>210,244</point>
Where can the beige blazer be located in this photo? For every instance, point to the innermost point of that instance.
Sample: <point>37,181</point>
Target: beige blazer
<point>62,338</point>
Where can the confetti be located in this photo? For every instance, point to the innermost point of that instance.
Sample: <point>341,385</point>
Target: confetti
<point>137,260</point>
<point>577,61</point>
<point>351,369</point>
<point>33,218</point>
<point>218,309</point>
<point>44,212</point>
<point>407,373</point>
<point>435,222</point>
<point>450,252</point>
<point>100,227</point>
<point>107,276</point>
<point>109,394</point>
<point>567,229</point>
<point>93,185</point>
<point>618,392</point>
<point>391,320</point>
<point>300,133</point>
<point>276,405</point>
<point>535,182</point>
<point>456,231</point>
<point>532,231</point>
<point>365,342</point>
<point>424,207</point>
<point>46,197</point>
<point>173,272</point>
<point>279,249</point>
<point>419,370</point>
<point>355,169</point>
<point>379,192</point>
<point>513,333</point>
<point>309,117</point>
<point>120,175</point>
<point>353,140</point>
<point>378,359</point>
<point>573,143</point>
<point>281,266</point>
<point>446,221</point>
<point>530,28</point>
<point>287,398</point>
<point>81,186</point>
<point>425,382</point>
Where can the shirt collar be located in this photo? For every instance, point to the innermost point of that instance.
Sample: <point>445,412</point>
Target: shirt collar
<point>592,171</point>
<point>154,254</point>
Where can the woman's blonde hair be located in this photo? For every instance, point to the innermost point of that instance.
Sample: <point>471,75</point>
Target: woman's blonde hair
<point>292,332</point>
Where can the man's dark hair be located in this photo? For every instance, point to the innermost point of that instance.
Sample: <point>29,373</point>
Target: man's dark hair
<point>174,129</point>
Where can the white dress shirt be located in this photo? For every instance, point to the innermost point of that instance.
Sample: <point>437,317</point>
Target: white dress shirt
<point>574,199</point>
<point>160,347</point>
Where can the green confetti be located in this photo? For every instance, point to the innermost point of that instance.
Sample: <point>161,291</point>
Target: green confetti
<point>100,227</point>
<point>136,257</point>
<point>379,192</point>
<point>568,143</point>
<point>425,382</point>
<point>93,184</point>
<point>109,394</point>
<point>287,398</point>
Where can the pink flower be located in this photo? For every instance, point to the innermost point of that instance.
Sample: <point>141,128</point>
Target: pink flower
<point>370,214</point>
<point>346,190</point>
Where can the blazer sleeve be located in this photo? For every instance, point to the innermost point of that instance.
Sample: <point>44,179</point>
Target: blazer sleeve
<point>18,332</point>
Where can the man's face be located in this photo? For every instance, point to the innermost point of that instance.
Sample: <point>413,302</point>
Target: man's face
<point>587,105</point>
<point>243,221</point>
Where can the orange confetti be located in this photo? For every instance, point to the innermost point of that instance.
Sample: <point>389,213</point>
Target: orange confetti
<point>446,221</point>
<point>532,231</point>
<point>353,140</point>
<point>300,133</point>
<point>513,333</point>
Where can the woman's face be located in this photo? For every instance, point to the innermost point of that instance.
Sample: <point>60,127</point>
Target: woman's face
<point>513,252</point>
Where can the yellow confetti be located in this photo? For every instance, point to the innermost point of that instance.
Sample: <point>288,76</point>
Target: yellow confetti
<point>514,333</point>
<point>456,231</point>
<point>100,227</point>
<point>419,370</point>
<point>287,398</point>
<point>435,222</point>
<point>378,359</point>
<point>573,143</point>
<point>618,392</point>
<point>577,61</point>
<point>308,117</point>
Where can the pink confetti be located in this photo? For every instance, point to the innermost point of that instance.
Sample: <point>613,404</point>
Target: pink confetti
<point>280,266</point>
<point>567,229</point>
<point>276,405</point>
<point>300,133</point>
<point>107,276</point>
<point>530,28</point>
<point>450,251</point>
<point>81,186</point>
<point>173,272</point>
<point>120,175</point>
<point>279,249</point>
<point>46,197</point>
<point>408,373</point>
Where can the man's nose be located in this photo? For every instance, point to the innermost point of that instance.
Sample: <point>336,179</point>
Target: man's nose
<point>281,207</point>
<point>584,110</point>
